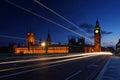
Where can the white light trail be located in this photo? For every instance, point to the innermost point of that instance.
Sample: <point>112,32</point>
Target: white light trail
<point>29,11</point>
<point>58,57</point>
<point>61,62</point>
<point>50,64</point>
<point>69,58</point>
<point>38,2</point>
<point>7,36</point>
<point>14,37</point>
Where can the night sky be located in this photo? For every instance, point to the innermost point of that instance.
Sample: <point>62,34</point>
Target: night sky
<point>15,22</point>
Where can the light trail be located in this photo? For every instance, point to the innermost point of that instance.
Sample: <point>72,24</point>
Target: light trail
<point>49,58</point>
<point>61,62</point>
<point>20,38</point>
<point>38,2</point>
<point>7,36</point>
<point>48,63</point>
<point>29,11</point>
<point>14,37</point>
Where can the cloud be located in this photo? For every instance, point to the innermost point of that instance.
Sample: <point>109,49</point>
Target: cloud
<point>89,28</point>
<point>106,33</point>
<point>103,33</point>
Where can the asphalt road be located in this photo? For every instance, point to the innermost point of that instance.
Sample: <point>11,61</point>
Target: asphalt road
<point>78,67</point>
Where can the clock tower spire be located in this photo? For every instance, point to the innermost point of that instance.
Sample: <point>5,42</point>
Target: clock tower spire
<point>97,37</point>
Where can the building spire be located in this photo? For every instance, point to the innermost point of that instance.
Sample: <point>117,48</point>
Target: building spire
<point>48,40</point>
<point>97,23</point>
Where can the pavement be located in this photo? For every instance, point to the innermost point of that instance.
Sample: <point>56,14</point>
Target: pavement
<point>111,70</point>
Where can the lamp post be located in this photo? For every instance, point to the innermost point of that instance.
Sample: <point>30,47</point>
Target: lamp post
<point>46,48</point>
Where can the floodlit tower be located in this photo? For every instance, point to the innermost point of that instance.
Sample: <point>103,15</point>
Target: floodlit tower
<point>97,37</point>
<point>30,39</point>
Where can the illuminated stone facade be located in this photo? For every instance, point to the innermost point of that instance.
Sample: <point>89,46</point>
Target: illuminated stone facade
<point>89,48</point>
<point>42,50</point>
<point>31,48</point>
<point>72,47</point>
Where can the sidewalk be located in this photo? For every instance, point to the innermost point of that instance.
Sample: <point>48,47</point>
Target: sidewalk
<point>111,70</point>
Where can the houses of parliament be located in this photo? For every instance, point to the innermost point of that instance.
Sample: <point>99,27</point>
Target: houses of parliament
<point>73,46</point>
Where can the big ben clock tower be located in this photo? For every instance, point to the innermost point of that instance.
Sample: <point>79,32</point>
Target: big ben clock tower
<point>97,37</point>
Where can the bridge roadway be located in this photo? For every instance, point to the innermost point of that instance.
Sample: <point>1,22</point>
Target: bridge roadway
<point>65,67</point>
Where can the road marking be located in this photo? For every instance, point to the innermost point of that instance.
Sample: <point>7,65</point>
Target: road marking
<point>68,61</point>
<point>71,76</point>
<point>92,65</point>
<point>13,74</point>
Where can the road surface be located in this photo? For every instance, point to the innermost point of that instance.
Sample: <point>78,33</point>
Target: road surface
<point>66,67</point>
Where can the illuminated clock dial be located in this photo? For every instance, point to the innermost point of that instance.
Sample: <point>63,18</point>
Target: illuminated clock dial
<point>96,31</point>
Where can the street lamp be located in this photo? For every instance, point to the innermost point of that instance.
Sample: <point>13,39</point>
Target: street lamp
<point>45,45</point>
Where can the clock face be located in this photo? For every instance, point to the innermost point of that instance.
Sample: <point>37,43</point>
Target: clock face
<point>96,31</point>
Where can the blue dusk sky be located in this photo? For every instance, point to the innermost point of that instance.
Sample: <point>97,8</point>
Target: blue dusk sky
<point>16,22</point>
